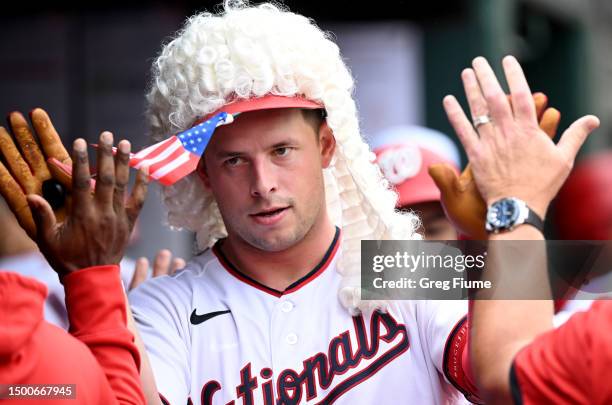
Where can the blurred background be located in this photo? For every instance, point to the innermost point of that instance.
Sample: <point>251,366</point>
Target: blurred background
<point>88,66</point>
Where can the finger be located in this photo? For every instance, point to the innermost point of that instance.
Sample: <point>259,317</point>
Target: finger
<point>137,198</point>
<point>105,180</point>
<point>17,165</point>
<point>497,103</point>
<point>122,174</point>
<point>31,152</point>
<point>476,101</point>
<point>161,265</point>
<point>541,101</point>
<point>81,191</point>
<point>177,264</point>
<point>445,178</point>
<point>48,136</point>
<point>16,200</point>
<point>44,218</point>
<point>573,137</point>
<point>61,172</point>
<point>141,272</point>
<point>549,122</point>
<point>462,126</point>
<point>522,99</point>
<point>466,176</point>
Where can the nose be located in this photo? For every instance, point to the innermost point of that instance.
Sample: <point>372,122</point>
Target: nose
<point>263,178</point>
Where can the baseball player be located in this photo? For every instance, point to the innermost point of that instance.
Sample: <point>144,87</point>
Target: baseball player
<point>404,154</point>
<point>270,311</point>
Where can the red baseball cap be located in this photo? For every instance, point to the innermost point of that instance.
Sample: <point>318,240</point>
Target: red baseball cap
<point>405,153</point>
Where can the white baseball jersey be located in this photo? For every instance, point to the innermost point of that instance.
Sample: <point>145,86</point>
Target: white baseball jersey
<point>34,264</point>
<point>215,336</point>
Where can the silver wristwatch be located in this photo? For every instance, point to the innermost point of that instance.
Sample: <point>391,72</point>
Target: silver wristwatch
<point>507,213</point>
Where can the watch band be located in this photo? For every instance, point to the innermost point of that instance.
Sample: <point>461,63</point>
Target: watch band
<point>534,220</point>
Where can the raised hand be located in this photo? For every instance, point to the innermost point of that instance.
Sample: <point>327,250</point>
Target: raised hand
<point>511,155</point>
<point>97,225</point>
<point>460,198</point>
<point>162,265</point>
<point>28,169</point>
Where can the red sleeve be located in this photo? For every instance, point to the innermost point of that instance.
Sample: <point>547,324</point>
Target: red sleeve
<point>97,312</point>
<point>570,364</point>
<point>457,368</point>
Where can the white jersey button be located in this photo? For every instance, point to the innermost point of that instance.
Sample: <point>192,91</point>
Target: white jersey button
<point>287,306</point>
<point>291,338</point>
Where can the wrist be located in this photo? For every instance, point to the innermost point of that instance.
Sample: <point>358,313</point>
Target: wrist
<point>71,271</point>
<point>538,206</point>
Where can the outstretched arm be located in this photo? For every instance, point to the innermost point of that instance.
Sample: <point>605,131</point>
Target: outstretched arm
<point>94,235</point>
<point>511,156</point>
<point>41,157</point>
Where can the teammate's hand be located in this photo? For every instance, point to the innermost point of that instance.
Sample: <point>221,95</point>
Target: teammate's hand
<point>162,265</point>
<point>27,167</point>
<point>511,156</point>
<point>97,225</point>
<point>460,198</point>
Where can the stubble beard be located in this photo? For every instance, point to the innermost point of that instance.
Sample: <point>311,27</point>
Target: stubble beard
<point>287,238</point>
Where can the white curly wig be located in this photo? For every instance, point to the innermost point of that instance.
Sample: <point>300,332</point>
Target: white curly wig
<point>251,51</point>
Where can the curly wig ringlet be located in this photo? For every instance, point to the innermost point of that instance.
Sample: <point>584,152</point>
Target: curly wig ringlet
<point>250,51</point>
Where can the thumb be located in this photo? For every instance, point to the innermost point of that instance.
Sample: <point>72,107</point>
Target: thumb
<point>43,215</point>
<point>573,137</point>
<point>445,178</point>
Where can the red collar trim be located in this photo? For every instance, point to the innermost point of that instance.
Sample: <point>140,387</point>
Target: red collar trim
<point>314,273</point>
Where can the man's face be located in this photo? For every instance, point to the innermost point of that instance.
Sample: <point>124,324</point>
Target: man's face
<point>435,225</point>
<point>265,172</point>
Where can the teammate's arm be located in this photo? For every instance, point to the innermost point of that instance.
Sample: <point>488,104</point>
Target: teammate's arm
<point>147,379</point>
<point>96,305</point>
<point>510,157</point>
<point>94,235</point>
<point>500,328</point>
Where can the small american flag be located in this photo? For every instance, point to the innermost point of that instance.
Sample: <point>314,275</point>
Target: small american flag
<point>174,158</point>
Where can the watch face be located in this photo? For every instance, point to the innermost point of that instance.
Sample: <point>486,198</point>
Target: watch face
<point>503,214</point>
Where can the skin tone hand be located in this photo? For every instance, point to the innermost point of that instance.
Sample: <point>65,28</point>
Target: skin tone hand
<point>512,155</point>
<point>162,265</point>
<point>97,227</point>
<point>26,167</point>
<point>462,202</point>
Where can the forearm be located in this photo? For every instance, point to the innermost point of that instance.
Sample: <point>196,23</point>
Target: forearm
<point>147,379</point>
<point>96,310</point>
<point>500,328</point>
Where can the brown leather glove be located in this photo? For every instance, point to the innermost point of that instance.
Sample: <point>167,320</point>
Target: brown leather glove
<point>28,169</point>
<point>460,198</point>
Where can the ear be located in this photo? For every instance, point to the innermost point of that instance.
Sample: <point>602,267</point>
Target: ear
<point>327,144</point>
<point>202,173</point>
